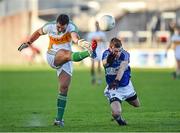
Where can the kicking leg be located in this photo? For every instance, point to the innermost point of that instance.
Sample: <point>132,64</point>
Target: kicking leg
<point>78,56</point>
<point>91,47</point>
<point>62,56</point>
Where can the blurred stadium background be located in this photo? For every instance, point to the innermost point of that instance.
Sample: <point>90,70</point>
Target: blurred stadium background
<point>142,25</point>
<point>28,93</point>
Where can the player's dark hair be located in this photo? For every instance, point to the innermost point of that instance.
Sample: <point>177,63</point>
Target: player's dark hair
<point>115,42</point>
<point>62,19</point>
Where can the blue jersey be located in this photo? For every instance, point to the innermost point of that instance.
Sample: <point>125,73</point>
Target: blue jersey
<point>111,71</point>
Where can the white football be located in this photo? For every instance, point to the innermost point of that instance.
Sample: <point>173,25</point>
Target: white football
<point>106,23</point>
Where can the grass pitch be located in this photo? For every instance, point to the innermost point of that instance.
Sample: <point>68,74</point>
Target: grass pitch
<point>28,102</point>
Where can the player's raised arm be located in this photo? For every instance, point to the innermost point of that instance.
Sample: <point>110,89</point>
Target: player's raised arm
<point>32,38</point>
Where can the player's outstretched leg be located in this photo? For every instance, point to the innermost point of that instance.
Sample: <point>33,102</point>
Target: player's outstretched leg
<point>78,56</point>
<point>63,56</point>
<point>91,47</point>
<point>91,51</point>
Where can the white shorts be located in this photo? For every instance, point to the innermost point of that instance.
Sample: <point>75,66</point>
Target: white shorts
<point>177,52</point>
<point>122,93</point>
<point>67,67</point>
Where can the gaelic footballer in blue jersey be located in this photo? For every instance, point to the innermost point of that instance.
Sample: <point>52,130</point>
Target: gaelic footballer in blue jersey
<point>118,73</point>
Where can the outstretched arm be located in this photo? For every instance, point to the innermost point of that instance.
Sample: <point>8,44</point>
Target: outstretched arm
<point>35,35</point>
<point>32,38</point>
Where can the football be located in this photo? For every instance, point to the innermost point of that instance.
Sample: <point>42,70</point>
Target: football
<point>106,23</point>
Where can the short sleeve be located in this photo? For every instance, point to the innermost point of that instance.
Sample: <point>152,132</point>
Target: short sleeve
<point>125,56</point>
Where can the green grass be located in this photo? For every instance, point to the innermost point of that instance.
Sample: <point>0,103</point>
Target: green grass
<point>28,102</point>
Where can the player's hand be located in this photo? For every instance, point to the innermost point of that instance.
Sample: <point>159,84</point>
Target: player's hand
<point>83,43</point>
<point>114,85</point>
<point>111,58</point>
<point>24,45</point>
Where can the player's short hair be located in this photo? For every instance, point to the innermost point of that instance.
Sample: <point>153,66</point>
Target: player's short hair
<point>62,19</point>
<point>115,42</point>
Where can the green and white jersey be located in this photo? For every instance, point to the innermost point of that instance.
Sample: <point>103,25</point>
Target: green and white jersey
<point>59,40</point>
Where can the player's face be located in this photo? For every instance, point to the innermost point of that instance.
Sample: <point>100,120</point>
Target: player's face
<point>61,28</point>
<point>116,51</point>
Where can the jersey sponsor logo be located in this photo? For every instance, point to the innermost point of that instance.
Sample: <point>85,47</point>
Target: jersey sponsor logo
<point>111,70</point>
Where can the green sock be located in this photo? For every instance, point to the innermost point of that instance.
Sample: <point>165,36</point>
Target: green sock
<point>78,56</point>
<point>61,104</point>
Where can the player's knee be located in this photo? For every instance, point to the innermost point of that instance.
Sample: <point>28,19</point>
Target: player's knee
<point>64,89</point>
